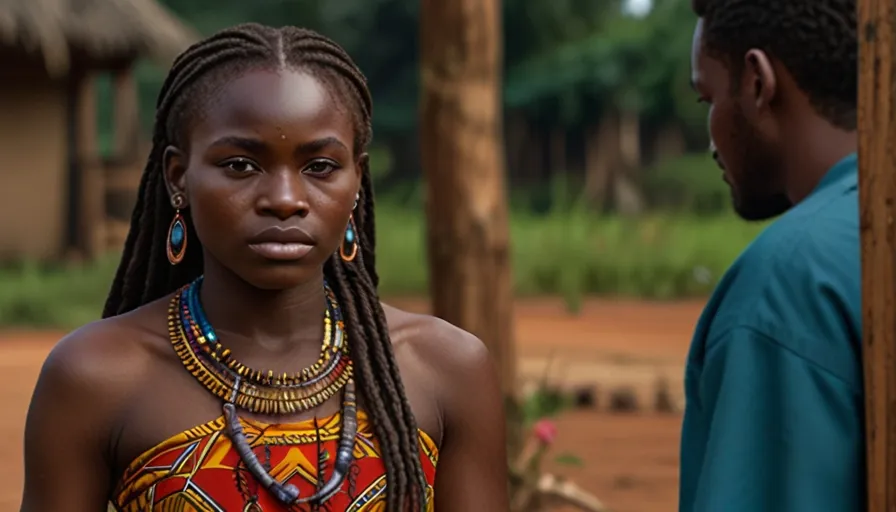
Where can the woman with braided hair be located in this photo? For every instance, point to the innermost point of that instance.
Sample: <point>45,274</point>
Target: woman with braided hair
<point>245,362</point>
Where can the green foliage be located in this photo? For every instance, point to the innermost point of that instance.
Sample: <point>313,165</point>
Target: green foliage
<point>546,402</point>
<point>570,253</point>
<point>660,257</point>
<point>611,60</point>
<point>689,184</point>
<point>54,296</point>
<point>569,460</point>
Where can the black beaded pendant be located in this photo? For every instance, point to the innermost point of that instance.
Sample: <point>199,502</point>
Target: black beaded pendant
<point>288,494</point>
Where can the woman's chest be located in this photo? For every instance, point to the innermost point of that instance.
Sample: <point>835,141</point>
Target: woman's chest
<point>169,455</point>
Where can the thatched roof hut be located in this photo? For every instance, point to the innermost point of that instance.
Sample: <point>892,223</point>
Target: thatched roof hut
<point>53,185</point>
<point>101,30</point>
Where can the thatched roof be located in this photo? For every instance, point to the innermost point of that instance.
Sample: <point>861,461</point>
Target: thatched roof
<point>103,29</point>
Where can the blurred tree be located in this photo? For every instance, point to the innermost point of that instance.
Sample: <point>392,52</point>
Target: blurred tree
<point>462,149</point>
<point>602,79</point>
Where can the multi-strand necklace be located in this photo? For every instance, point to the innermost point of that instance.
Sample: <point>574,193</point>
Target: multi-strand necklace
<point>240,387</point>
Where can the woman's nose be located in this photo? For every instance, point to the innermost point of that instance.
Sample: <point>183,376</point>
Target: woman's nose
<point>284,194</point>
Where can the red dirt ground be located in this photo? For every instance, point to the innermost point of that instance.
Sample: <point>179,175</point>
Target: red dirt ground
<point>630,461</point>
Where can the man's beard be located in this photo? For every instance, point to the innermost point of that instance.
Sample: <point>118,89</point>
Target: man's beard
<point>757,193</point>
<point>761,208</point>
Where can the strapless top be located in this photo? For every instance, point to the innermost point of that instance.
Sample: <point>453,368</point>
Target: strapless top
<point>199,470</point>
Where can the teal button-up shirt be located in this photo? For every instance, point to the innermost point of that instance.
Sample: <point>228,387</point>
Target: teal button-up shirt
<point>775,413</point>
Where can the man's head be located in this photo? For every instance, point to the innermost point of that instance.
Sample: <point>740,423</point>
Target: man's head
<point>768,69</point>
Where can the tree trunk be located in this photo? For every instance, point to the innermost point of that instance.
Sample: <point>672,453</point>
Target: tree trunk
<point>462,154</point>
<point>669,143</point>
<point>627,196</point>
<point>558,151</point>
<point>516,133</point>
<point>602,158</point>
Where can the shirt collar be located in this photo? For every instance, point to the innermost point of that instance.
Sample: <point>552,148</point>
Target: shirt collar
<point>843,174</point>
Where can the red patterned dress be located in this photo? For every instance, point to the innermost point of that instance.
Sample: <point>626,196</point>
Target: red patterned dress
<point>199,470</point>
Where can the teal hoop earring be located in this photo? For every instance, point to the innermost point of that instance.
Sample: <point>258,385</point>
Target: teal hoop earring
<point>348,250</point>
<point>177,233</point>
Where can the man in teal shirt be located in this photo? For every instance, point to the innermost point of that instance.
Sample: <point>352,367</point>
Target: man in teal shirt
<point>774,416</point>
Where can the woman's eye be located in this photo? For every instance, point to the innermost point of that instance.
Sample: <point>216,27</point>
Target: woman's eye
<point>321,167</point>
<point>240,165</point>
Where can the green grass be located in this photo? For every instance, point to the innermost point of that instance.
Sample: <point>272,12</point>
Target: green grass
<point>55,296</point>
<point>571,254</point>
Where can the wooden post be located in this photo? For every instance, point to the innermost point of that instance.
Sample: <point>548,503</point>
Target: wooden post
<point>462,154</point>
<point>877,197</point>
<point>85,173</point>
<point>127,122</point>
<point>122,173</point>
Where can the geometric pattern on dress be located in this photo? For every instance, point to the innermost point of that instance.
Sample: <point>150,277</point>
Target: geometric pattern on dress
<point>199,471</point>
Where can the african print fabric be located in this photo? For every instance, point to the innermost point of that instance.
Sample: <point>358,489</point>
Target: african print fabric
<point>199,470</point>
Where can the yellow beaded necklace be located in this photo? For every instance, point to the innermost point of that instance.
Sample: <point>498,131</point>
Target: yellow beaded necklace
<point>198,348</point>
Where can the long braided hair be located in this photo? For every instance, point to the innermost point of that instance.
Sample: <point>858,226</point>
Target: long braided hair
<point>145,274</point>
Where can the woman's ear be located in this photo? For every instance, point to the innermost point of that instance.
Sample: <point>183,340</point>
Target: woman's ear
<point>174,167</point>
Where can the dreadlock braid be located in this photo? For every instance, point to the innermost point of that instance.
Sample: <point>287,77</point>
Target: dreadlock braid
<point>369,233</point>
<point>144,273</point>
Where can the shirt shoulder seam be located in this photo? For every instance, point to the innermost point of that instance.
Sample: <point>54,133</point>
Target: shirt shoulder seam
<point>711,343</point>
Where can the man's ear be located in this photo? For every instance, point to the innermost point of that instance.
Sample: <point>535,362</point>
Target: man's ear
<point>760,81</point>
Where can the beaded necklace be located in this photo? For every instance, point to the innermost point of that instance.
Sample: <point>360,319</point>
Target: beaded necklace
<point>197,345</point>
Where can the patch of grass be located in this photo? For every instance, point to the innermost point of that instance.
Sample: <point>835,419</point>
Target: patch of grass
<point>62,296</point>
<point>576,253</point>
<point>571,253</point>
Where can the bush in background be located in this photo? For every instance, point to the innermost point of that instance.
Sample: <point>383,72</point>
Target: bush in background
<point>691,184</point>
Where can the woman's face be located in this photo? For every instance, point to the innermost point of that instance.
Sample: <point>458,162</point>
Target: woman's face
<point>270,178</point>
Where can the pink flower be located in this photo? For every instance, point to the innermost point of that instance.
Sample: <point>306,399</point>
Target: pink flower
<point>545,431</point>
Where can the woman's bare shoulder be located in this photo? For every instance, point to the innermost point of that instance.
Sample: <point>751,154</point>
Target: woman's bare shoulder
<point>456,368</point>
<point>105,357</point>
<point>435,342</point>
<point>72,422</point>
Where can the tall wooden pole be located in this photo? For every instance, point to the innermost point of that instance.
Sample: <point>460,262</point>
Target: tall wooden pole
<point>127,115</point>
<point>877,197</point>
<point>86,159</point>
<point>462,154</point>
